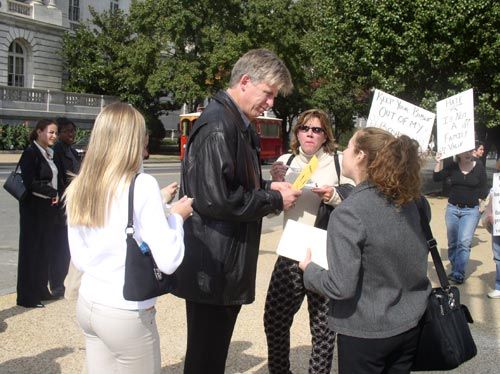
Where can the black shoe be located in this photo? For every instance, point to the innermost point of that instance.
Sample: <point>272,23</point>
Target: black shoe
<point>51,297</point>
<point>58,295</point>
<point>34,305</point>
<point>457,281</point>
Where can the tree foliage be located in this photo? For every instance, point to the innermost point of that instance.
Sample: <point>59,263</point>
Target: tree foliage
<point>420,50</point>
<point>337,51</point>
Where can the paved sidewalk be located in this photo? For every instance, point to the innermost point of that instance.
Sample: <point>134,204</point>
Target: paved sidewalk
<point>49,341</point>
<point>13,158</point>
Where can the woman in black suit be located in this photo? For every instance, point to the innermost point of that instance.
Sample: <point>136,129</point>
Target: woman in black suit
<point>38,212</point>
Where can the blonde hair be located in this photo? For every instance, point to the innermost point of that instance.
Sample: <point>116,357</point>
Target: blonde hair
<point>114,153</point>
<point>262,65</point>
<point>329,145</point>
<point>393,163</point>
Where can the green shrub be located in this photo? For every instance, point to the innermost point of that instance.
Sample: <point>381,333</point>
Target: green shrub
<point>82,134</point>
<point>14,137</point>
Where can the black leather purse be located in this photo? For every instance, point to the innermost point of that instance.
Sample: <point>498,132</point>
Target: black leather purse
<point>445,340</point>
<point>14,184</point>
<point>143,279</point>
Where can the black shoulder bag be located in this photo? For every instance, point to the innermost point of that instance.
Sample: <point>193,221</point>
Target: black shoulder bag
<point>325,210</point>
<point>445,339</point>
<point>143,279</point>
<point>14,184</point>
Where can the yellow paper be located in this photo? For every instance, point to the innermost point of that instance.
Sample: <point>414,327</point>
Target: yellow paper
<point>306,173</point>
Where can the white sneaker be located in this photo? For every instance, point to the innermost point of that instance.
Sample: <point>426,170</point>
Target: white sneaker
<point>495,294</point>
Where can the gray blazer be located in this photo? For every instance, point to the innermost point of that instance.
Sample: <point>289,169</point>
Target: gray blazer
<point>377,259</point>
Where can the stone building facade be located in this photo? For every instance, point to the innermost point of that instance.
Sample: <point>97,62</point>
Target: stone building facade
<point>31,68</point>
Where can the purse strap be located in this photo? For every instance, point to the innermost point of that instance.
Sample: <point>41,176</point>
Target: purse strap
<point>130,222</point>
<point>337,165</point>
<point>17,166</point>
<point>432,244</point>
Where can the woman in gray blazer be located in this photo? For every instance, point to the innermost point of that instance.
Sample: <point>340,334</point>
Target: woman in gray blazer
<point>377,257</point>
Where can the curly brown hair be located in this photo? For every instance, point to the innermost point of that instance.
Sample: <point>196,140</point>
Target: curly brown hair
<point>393,163</point>
<point>304,117</point>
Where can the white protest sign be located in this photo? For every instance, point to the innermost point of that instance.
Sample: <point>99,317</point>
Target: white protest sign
<point>400,117</point>
<point>495,196</point>
<point>455,124</point>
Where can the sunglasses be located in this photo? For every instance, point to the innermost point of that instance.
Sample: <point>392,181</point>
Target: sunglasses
<point>316,130</point>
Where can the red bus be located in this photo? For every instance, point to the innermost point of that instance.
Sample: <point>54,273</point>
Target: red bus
<point>268,129</point>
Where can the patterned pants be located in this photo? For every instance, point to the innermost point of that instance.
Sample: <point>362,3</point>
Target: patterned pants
<point>284,297</point>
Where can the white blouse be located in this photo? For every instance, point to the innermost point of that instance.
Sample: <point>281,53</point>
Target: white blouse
<point>100,252</point>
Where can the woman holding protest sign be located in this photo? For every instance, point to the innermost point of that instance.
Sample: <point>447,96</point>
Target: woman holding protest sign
<point>312,136</point>
<point>468,186</point>
<point>377,257</point>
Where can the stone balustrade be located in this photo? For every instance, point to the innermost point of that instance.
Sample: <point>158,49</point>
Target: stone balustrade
<point>30,103</point>
<point>19,8</point>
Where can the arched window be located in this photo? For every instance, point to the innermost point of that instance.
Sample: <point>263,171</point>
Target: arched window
<point>16,67</point>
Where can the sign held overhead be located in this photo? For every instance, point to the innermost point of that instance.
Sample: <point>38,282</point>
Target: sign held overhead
<point>455,124</point>
<point>400,117</point>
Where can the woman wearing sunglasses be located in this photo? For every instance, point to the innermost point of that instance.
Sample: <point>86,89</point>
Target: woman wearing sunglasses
<point>312,136</point>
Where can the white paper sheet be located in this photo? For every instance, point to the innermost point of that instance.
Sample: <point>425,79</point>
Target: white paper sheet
<point>297,237</point>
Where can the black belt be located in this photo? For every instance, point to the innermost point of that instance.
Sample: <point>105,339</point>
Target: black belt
<point>464,205</point>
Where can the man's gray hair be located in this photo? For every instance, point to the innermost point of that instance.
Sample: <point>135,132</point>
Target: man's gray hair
<point>262,66</point>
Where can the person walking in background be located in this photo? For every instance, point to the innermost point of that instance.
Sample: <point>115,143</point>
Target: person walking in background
<point>468,186</point>
<point>121,336</point>
<point>311,136</point>
<point>377,257</point>
<point>68,164</point>
<point>37,215</point>
<point>478,152</point>
<point>221,171</point>
<point>495,244</point>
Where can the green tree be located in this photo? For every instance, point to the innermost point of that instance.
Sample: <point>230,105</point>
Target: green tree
<point>108,57</point>
<point>280,25</point>
<point>200,41</point>
<point>420,50</point>
<point>185,50</point>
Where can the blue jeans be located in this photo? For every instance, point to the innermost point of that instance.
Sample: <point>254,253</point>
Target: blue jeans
<point>496,258</point>
<point>461,224</point>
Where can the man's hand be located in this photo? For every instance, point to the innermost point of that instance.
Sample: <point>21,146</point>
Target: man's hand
<point>288,193</point>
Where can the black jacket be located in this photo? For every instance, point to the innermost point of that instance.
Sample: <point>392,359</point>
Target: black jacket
<point>37,173</point>
<point>64,163</point>
<point>221,171</point>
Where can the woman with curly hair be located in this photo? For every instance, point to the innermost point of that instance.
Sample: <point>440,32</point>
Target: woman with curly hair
<point>377,257</point>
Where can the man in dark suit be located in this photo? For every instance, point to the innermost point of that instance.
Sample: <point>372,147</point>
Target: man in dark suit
<point>68,164</point>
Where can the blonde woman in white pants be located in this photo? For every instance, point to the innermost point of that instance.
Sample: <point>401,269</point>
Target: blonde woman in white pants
<point>121,335</point>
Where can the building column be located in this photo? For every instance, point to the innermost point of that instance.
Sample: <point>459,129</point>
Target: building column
<point>52,4</point>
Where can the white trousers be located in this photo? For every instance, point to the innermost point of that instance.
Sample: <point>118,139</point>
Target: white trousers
<point>118,340</point>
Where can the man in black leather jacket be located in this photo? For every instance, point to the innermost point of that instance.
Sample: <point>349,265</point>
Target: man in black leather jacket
<point>221,171</point>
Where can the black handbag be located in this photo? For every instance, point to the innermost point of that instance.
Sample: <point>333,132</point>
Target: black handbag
<point>445,339</point>
<point>14,184</point>
<point>143,279</point>
<point>325,210</point>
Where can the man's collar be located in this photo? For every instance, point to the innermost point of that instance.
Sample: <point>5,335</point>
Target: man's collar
<point>246,120</point>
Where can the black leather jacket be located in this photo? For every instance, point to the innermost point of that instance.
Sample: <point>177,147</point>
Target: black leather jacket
<point>221,171</point>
